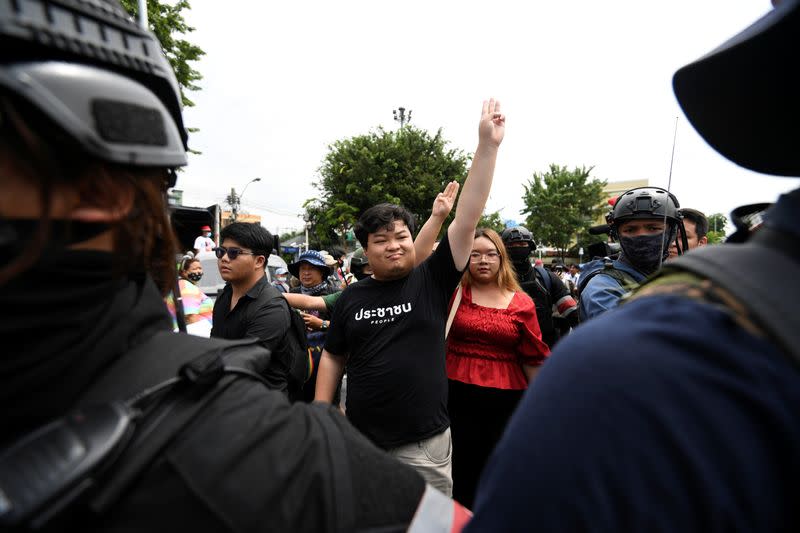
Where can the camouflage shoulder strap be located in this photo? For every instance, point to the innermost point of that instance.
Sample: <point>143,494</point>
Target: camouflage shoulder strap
<point>739,278</point>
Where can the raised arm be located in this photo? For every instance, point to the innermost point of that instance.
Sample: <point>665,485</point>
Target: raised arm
<point>442,205</point>
<point>478,184</point>
<point>304,301</point>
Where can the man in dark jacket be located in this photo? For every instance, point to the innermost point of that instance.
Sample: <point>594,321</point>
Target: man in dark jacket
<point>90,135</point>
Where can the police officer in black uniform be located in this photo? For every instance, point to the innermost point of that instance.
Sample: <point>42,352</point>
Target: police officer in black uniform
<point>556,310</point>
<point>90,136</point>
<point>678,410</point>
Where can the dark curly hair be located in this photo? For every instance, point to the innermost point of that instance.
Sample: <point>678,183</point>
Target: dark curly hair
<point>379,217</point>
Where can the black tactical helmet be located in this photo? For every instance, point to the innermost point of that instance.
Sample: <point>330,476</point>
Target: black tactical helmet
<point>518,233</point>
<point>649,202</point>
<point>644,202</point>
<point>94,74</point>
<point>358,262</point>
<point>359,259</point>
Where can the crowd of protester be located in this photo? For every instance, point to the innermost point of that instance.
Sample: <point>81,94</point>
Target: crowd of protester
<point>640,390</point>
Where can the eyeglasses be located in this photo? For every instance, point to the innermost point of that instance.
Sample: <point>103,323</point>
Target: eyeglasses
<point>491,257</point>
<point>232,252</point>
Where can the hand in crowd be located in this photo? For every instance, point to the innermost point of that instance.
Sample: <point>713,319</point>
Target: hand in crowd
<point>445,200</point>
<point>313,323</point>
<point>492,127</point>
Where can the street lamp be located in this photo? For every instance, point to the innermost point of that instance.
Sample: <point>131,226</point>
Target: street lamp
<point>401,117</point>
<point>236,199</point>
<point>245,187</point>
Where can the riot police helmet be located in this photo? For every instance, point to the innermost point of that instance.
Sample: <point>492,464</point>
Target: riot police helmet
<point>644,203</point>
<point>96,77</point>
<point>518,234</point>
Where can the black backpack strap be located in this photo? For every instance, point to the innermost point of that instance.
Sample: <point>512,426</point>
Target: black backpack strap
<point>740,270</point>
<point>546,281</point>
<point>206,368</point>
<point>625,280</point>
<point>165,353</point>
<point>157,430</point>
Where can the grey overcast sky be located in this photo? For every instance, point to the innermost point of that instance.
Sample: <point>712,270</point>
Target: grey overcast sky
<point>582,82</point>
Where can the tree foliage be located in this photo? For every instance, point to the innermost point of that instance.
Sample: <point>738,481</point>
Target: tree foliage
<point>716,228</point>
<point>167,23</point>
<point>561,203</point>
<point>408,167</point>
<point>493,221</point>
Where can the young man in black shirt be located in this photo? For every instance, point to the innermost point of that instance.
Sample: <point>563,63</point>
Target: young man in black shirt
<point>389,329</point>
<point>249,306</point>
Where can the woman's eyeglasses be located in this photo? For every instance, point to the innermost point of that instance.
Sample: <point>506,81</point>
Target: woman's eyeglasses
<point>232,252</point>
<point>491,257</point>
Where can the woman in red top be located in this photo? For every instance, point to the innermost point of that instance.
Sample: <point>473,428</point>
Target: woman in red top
<point>494,349</point>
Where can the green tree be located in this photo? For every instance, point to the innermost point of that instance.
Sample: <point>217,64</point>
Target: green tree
<point>493,221</point>
<point>408,167</point>
<point>167,23</point>
<point>561,203</point>
<point>716,228</point>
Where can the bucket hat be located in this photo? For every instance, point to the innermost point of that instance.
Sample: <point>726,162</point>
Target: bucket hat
<point>312,257</point>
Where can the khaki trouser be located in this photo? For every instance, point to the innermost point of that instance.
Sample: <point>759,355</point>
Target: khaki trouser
<point>432,458</point>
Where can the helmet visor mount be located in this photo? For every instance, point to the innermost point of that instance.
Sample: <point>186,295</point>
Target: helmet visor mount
<point>89,70</point>
<point>108,115</point>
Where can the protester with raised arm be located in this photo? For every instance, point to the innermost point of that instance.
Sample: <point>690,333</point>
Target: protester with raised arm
<point>389,329</point>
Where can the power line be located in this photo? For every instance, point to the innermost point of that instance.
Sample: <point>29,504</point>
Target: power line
<point>272,209</point>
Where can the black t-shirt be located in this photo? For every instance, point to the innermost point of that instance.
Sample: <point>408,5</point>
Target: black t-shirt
<point>393,335</point>
<point>261,313</point>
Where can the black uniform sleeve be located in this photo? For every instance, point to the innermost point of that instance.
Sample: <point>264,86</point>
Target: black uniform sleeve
<point>254,462</point>
<point>386,492</point>
<point>565,312</point>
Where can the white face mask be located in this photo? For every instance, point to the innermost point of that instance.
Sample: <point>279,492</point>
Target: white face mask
<point>208,234</point>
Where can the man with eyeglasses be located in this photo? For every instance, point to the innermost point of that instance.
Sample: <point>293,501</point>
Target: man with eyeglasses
<point>249,305</point>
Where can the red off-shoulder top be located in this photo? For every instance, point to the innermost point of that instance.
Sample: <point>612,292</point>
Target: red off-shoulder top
<point>486,346</point>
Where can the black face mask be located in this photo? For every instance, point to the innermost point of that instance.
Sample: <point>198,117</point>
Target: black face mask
<point>645,253</point>
<point>358,272</point>
<point>518,255</point>
<point>194,277</point>
<point>88,315</point>
<point>16,234</point>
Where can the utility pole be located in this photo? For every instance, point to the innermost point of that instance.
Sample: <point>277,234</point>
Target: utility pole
<point>401,117</point>
<point>307,227</point>
<point>143,14</point>
<point>235,200</point>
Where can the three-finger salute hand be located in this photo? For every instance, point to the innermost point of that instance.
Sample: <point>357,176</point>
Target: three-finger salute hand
<point>445,200</point>
<point>493,123</point>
